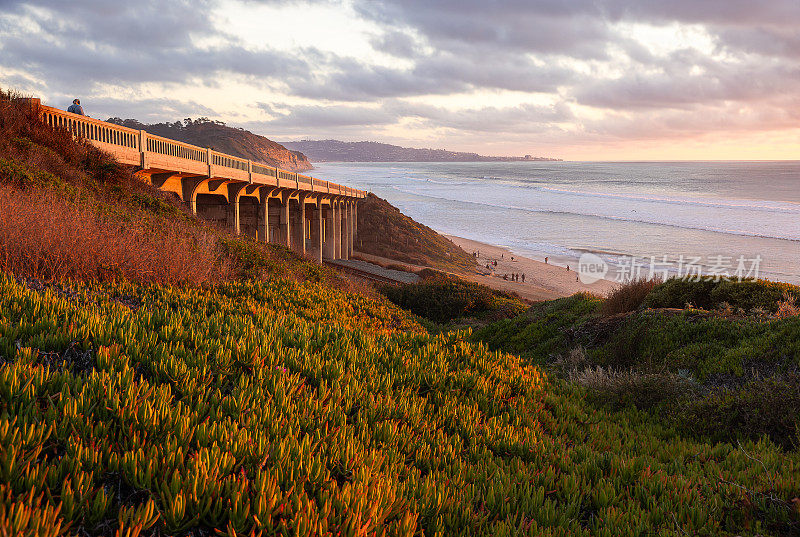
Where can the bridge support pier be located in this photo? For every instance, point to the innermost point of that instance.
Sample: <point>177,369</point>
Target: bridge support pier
<point>234,205</point>
<point>344,226</point>
<point>329,239</point>
<point>285,226</point>
<point>315,219</point>
<point>337,226</point>
<point>303,235</point>
<point>350,228</point>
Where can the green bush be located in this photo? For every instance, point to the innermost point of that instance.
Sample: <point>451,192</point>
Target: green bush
<point>760,408</point>
<point>678,292</point>
<point>441,298</point>
<point>20,175</point>
<point>709,294</point>
<point>545,330</point>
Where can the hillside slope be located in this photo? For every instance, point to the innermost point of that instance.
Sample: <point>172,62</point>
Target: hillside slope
<point>384,231</point>
<point>338,151</point>
<point>220,137</point>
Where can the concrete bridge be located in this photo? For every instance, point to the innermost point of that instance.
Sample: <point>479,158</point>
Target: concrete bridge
<point>310,216</point>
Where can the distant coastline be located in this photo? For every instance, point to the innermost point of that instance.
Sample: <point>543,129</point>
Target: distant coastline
<point>339,151</point>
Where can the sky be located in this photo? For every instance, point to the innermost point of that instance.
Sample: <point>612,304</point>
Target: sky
<point>574,79</point>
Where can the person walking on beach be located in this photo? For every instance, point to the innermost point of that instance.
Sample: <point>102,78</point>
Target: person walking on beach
<point>567,268</point>
<point>76,107</point>
<point>545,260</point>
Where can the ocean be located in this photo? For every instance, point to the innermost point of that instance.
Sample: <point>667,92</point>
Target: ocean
<point>723,218</point>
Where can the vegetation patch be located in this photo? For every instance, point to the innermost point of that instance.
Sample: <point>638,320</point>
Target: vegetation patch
<point>709,294</point>
<point>291,408</point>
<point>676,363</point>
<point>442,298</point>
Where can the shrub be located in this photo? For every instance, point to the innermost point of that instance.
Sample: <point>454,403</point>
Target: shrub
<point>627,297</point>
<point>442,298</point>
<point>748,295</point>
<point>678,292</point>
<point>545,330</point>
<point>767,407</point>
<point>621,388</point>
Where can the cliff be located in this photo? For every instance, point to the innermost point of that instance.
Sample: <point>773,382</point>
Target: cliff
<point>384,231</point>
<point>220,137</point>
<point>338,151</point>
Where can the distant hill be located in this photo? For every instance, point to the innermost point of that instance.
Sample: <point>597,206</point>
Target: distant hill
<point>338,151</point>
<point>220,137</point>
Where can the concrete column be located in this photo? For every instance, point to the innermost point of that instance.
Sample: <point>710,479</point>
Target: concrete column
<point>263,227</point>
<point>337,229</point>
<point>355,220</point>
<point>320,228</point>
<point>284,225</point>
<point>343,229</point>
<point>237,217</point>
<point>143,154</point>
<point>329,227</point>
<point>303,224</point>
<point>350,228</point>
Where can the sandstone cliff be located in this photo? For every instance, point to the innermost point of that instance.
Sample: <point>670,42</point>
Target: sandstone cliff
<point>384,231</point>
<point>220,137</point>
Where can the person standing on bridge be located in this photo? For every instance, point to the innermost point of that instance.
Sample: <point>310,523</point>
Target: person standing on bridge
<point>76,107</point>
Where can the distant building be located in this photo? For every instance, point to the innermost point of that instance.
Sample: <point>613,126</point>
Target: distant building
<point>528,157</point>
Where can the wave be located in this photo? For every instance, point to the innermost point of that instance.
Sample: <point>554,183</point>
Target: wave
<point>712,229</point>
<point>725,204</point>
<point>786,207</point>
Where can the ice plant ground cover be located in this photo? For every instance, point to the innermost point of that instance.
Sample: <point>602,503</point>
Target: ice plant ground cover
<point>296,409</point>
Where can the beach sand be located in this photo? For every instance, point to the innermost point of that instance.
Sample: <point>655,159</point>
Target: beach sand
<point>542,281</point>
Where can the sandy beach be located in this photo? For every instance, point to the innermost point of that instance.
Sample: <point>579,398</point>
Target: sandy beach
<point>543,281</point>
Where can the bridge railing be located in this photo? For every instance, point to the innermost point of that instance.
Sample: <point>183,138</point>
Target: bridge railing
<point>148,151</point>
<point>123,143</point>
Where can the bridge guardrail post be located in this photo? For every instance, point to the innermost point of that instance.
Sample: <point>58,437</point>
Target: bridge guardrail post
<point>145,162</point>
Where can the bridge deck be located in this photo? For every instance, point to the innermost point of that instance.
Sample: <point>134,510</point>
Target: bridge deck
<point>158,155</point>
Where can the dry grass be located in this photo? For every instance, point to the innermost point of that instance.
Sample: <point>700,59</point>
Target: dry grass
<point>46,237</point>
<point>627,297</point>
<point>787,307</point>
<point>621,388</point>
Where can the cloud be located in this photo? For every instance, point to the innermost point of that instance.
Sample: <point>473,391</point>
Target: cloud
<point>86,41</point>
<point>323,117</point>
<point>743,71</point>
<point>525,118</point>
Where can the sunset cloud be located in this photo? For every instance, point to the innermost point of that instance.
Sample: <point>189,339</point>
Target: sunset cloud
<point>568,77</point>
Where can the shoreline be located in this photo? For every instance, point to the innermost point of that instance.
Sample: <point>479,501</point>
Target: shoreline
<point>543,281</point>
